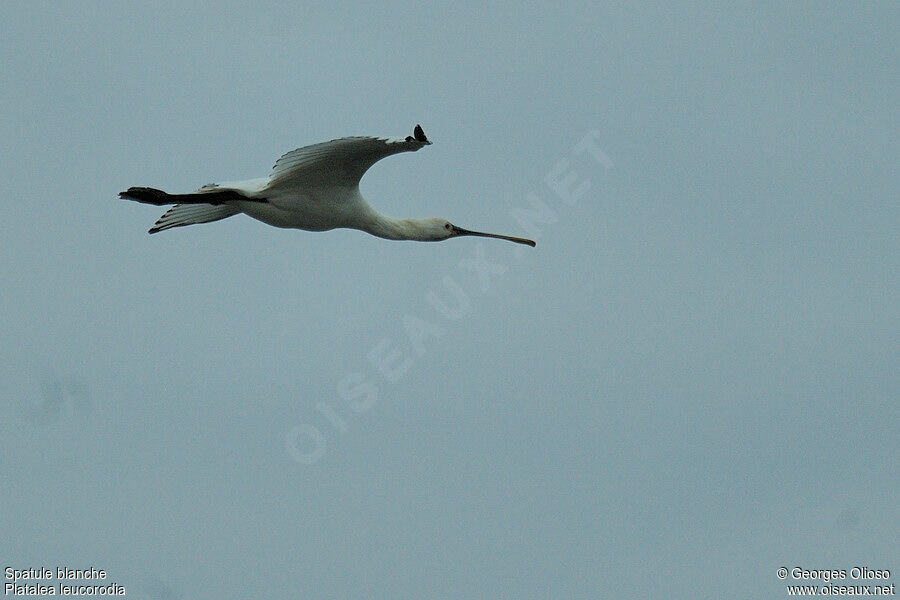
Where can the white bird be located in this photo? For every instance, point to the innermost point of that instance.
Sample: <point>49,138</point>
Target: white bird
<point>315,188</point>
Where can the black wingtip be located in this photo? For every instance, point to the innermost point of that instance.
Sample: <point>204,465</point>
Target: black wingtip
<point>146,195</point>
<point>419,135</point>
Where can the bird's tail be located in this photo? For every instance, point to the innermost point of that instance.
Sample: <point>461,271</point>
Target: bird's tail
<point>191,214</point>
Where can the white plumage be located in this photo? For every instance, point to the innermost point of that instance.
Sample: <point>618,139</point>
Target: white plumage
<point>315,188</point>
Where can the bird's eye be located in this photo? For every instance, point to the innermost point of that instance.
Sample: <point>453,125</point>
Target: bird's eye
<point>447,225</point>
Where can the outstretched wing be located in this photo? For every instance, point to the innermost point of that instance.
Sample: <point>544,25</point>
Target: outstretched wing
<point>338,163</point>
<point>191,214</point>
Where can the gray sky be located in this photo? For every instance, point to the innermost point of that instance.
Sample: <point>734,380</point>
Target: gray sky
<point>690,382</point>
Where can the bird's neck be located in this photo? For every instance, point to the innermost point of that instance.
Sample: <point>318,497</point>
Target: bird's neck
<point>390,228</point>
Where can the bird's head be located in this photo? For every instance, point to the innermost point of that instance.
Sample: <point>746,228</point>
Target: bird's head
<point>436,229</point>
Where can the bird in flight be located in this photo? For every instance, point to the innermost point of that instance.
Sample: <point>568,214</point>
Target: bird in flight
<point>315,188</point>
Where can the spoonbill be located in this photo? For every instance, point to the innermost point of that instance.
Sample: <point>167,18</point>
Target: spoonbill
<point>315,188</point>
